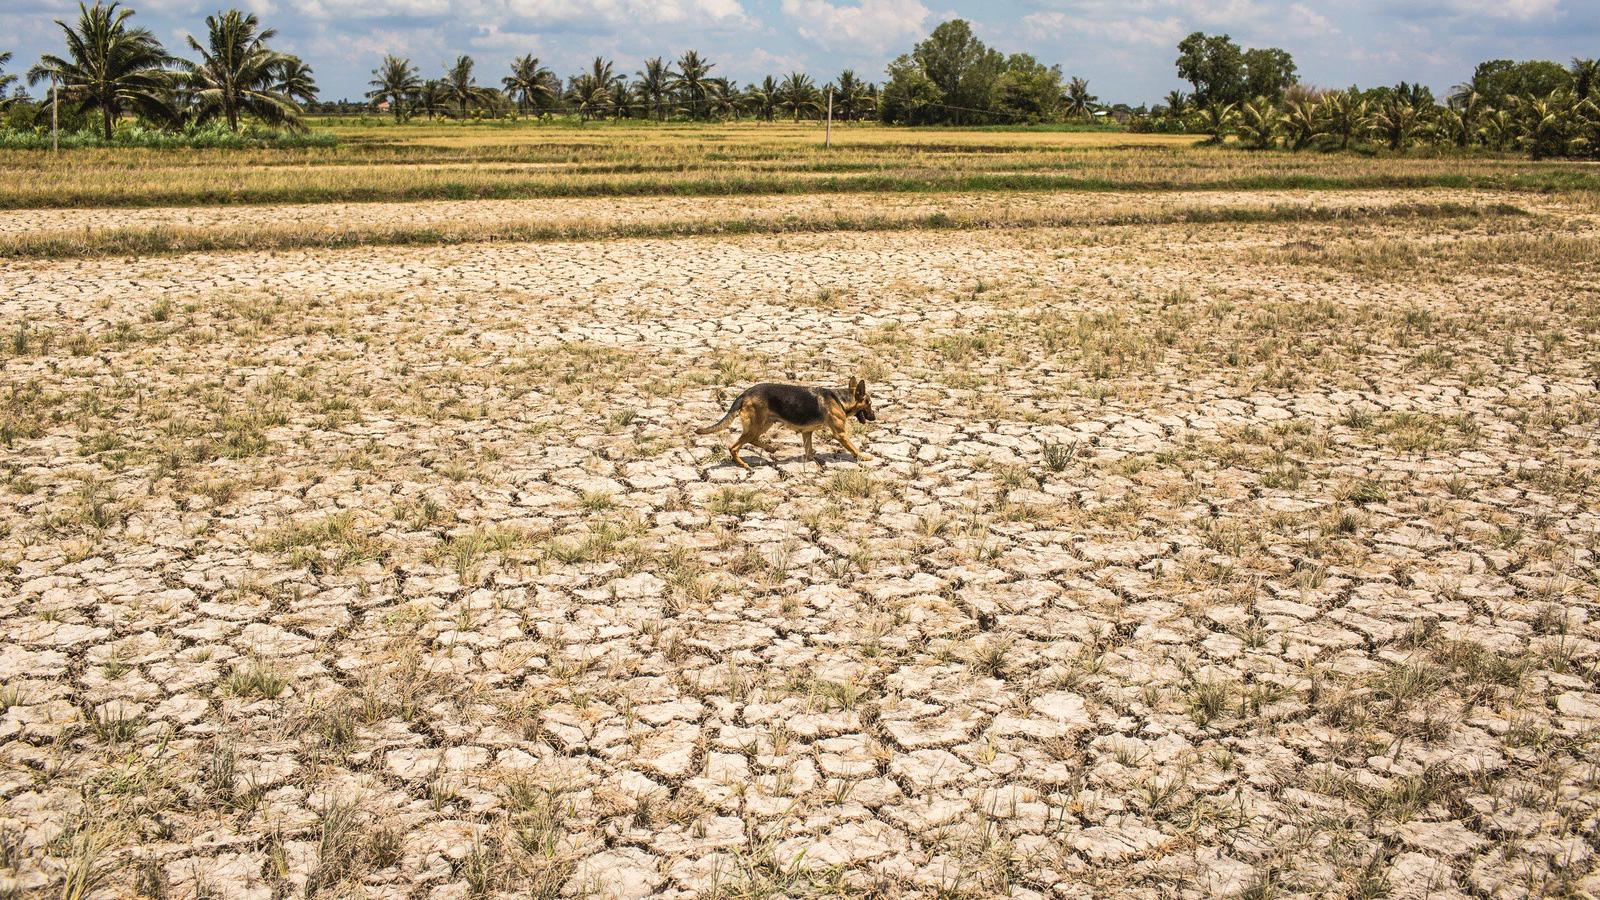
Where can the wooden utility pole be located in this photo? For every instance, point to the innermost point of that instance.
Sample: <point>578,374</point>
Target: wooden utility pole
<point>827,134</point>
<point>55,105</point>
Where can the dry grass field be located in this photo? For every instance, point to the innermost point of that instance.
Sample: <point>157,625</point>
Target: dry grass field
<point>1230,532</point>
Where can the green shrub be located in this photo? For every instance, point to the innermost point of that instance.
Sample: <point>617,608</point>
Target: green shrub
<point>211,136</point>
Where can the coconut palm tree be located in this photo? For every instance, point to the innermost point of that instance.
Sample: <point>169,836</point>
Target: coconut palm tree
<point>1217,120</point>
<point>797,94</point>
<point>620,100</point>
<point>1302,122</point>
<point>431,98</point>
<point>762,99</point>
<point>1079,102</point>
<point>237,72</point>
<point>109,66</point>
<point>295,80</point>
<point>394,80</point>
<point>655,85</point>
<point>1549,126</point>
<point>1459,121</point>
<point>604,72</point>
<point>588,95</point>
<point>693,82</point>
<point>1258,123</point>
<point>1176,104</point>
<point>849,96</point>
<point>1398,122</point>
<point>722,98</point>
<point>1499,129</point>
<point>1585,78</point>
<point>1347,116</point>
<point>461,86</point>
<point>6,81</point>
<point>528,83</point>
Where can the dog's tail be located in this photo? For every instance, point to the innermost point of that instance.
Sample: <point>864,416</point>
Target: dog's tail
<point>733,410</point>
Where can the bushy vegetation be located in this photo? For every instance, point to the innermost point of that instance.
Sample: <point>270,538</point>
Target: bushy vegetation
<point>1561,123</point>
<point>209,136</point>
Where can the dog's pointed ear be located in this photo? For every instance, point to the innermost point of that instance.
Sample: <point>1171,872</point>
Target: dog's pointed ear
<point>859,387</point>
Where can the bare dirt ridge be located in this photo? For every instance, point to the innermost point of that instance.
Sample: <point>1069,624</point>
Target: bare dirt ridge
<point>1196,560</point>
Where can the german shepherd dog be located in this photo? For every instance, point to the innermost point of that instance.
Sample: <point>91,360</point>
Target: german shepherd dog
<point>805,409</point>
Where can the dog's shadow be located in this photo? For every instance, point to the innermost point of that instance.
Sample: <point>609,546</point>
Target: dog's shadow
<point>783,463</point>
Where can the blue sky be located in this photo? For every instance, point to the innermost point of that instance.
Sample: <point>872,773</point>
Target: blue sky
<point>1124,47</point>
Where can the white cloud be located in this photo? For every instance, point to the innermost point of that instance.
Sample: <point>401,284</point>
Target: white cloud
<point>593,15</point>
<point>869,23</point>
<point>1117,30</point>
<point>1520,10</point>
<point>618,13</point>
<point>1311,21</point>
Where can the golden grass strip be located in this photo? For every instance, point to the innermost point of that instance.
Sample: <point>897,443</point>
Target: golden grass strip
<point>136,241</point>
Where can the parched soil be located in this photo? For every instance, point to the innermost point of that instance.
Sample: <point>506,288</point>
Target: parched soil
<point>1193,560</point>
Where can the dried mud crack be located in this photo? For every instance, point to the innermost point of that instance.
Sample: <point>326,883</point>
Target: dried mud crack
<point>1199,558</point>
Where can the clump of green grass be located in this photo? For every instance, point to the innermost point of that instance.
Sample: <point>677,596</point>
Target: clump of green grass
<point>855,483</point>
<point>255,682</point>
<point>328,544</point>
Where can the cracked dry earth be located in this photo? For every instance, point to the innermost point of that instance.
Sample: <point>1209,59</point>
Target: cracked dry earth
<point>1194,561</point>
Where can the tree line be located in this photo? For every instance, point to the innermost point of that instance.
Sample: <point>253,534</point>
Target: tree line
<point>1539,107</point>
<point>659,90</point>
<point>112,69</point>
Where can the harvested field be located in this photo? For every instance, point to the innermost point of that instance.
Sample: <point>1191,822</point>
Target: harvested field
<point>1202,555</point>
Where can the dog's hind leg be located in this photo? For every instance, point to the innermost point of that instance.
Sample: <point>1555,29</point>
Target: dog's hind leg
<point>755,424</point>
<point>811,452</point>
<point>733,452</point>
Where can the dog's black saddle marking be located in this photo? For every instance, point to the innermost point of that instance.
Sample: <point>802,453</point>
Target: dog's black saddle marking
<point>795,404</point>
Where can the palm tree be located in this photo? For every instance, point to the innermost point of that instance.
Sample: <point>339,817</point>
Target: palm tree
<point>849,96</point>
<point>1217,120</point>
<point>1499,129</point>
<point>1585,78</point>
<point>528,82</point>
<point>655,85</point>
<point>1177,104</point>
<point>722,97</point>
<point>237,72</point>
<point>762,99</point>
<point>1302,121</point>
<point>1347,116</point>
<point>692,82</point>
<point>1258,123</point>
<point>1546,125</point>
<point>620,99</point>
<point>431,98</point>
<point>295,80</point>
<point>6,81</point>
<point>111,67</point>
<point>587,95</point>
<point>1079,102</point>
<point>1398,122</point>
<point>603,71</point>
<point>797,94</point>
<point>461,87</point>
<point>395,80</point>
<point>1459,121</point>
